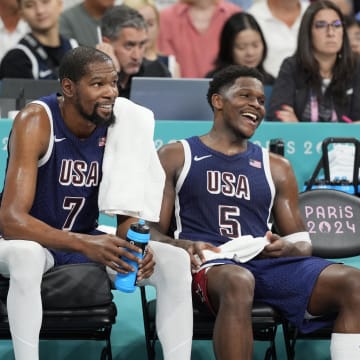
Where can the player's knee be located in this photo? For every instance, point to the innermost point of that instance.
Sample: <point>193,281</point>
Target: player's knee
<point>171,256</point>
<point>352,291</point>
<point>26,255</point>
<point>181,267</point>
<point>182,259</point>
<point>239,286</point>
<point>172,263</point>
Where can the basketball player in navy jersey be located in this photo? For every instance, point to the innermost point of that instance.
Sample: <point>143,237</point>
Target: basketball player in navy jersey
<point>220,186</point>
<point>49,210</point>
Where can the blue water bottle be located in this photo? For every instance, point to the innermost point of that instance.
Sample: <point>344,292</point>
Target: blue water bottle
<point>139,235</point>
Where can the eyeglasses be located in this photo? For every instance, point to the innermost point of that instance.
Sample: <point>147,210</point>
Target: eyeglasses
<point>321,24</point>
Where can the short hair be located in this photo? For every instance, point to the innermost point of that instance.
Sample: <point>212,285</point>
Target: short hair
<point>226,77</point>
<point>119,17</point>
<point>74,65</point>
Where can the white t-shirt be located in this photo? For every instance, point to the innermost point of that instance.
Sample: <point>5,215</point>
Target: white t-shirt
<point>10,39</point>
<point>280,39</point>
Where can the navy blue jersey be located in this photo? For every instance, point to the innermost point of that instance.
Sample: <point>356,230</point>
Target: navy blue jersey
<point>220,197</point>
<point>69,175</point>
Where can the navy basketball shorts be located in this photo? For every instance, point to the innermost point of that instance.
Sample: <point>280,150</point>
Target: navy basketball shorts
<point>284,283</point>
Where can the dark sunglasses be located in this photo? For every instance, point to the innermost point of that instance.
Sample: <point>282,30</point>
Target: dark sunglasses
<point>321,24</point>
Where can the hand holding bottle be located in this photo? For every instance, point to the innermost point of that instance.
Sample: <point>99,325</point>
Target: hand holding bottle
<point>139,235</point>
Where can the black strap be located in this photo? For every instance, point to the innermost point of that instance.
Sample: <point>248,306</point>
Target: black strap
<point>37,48</point>
<point>315,174</point>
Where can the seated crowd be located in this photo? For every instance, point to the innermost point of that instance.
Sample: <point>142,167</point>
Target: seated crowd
<point>306,50</point>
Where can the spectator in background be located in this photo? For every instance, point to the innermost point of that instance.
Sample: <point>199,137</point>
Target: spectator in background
<point>38,54</point>
<point>82,21</point>
<point>352,19</point>
<point>321,82</point>
<point>345,6</point>
<point>12,27</point>
<point>356,5</point>
<point>348,7</point>
<point>279,21</point>
<point>353,30</point>
<point>150,13</point>
<point>190,30</point>
<point>125,37</point>
<point>242,43</point>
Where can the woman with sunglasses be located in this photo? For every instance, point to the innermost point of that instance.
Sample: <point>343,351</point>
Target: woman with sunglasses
<point>321,82</point>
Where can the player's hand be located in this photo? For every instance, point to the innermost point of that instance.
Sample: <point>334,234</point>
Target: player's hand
<point>277,247</point>
<point>146,265</point>
<point>195,250</point>
<point>108,250</point>
<point>109,50</point>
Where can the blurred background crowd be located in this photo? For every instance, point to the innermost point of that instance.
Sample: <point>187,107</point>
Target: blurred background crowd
<point>307,51</point>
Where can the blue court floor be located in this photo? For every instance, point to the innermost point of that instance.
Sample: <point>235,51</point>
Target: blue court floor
<point>128,341</point>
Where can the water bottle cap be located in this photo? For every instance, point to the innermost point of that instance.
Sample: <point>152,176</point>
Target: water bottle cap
<point>139,232</point>
<point>138,236</point>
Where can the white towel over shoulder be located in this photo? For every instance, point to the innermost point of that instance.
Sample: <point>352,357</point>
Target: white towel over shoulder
<point>133,178</point>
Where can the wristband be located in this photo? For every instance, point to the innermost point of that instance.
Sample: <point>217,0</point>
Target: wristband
<point>298,236</point>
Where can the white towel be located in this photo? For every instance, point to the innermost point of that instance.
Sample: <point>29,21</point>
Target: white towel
<point>133,178</point>
<point>241,249</point>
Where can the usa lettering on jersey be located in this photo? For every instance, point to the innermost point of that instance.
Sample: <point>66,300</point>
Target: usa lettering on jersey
<point>78,173</point>
<point>228,184</point>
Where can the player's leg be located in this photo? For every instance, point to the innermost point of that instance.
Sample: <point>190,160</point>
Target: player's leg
<point>24,262</point>
<point>230,291</point>
<point>338,290</point>
<point>174,315</point>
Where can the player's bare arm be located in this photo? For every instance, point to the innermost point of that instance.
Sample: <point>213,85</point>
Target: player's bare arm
<point>19,192</point>
<point>286,212</point>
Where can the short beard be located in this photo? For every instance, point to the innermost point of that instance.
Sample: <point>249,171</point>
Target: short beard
<point>95,118</point>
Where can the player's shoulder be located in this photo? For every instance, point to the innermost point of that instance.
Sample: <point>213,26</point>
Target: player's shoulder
<point>172,157</point>
<point>279,161</point>
<point>280,167</point>
<point>173,149</point>
<point>32,113</point>
<point>32,120</point>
